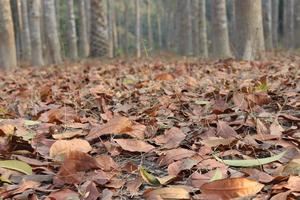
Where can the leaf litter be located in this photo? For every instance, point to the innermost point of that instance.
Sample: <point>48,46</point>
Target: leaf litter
<point>154,130</point>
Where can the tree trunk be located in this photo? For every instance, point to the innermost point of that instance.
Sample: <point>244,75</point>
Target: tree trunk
<point>126,17</point>
<point>71,31</point>
<point>51,32</point>
<point>149,24</point>
<point>138,28</point>
<point>159,32</point>
<point>17,23</point>
<point>195,11</point>
<point>275,23</point>
<point>203,49</point>
<point>25,32</point>
<point>99,35</point>
<point>88,18</point>
<point>220,41</point>
<point>110,4</point>
<point>8,47</point>
<point>250,38</point>
<point>267,23</point>
<point>83,34</point>
<point>190,28</point>
<point>297,24</point>
<point>35,32</point>
<point>288,25</point>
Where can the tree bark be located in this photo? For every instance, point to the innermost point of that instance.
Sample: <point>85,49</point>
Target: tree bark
<point>190,29</point>
<point>203,49</point>
<point>51,32</point>
<point>83,33</point>
<point>159,31</point>
<point>267,23</point>
<point>149,24</point>
<point>99,33</point>
<point>126,17</point>
<point>250,38</point>
<point>275,23</point>
<point>110,28</point>
<point>288,25</point>
<point>138,28</point>
<point>7,40</point>
<point>297,24</point>
<point>25,32</point>
<point>35,33</point>
<point>220,41</point>
<point>71,31</point>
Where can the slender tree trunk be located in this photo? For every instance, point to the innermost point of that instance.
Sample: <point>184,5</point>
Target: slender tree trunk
<point>88,18</point>
<point>17,23</point>
<point>250,38</point>
<point>149,24</point>
<point>71,31</point>
<point>126,28</point>
<point>110,28</point>
<point>99,33</point>
<point>25,32</point>
<point>267,23</point>
<point>288,25</point>
<point>275,24</point>
<point>195,11</point>
<point>83,34</point>
<point>138,28</point>
<point>220,41</point>
<point>35,32</point>
<point>8,47</point>
<point>159,31</point>
<point>115,29</point>
<point>57,14</point>
<point>51,31</point>
<point>297,24</point>
<point>203,49</point>
<point>190,28</point>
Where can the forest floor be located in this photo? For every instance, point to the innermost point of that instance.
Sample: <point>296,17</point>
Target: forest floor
<point>177,129</point>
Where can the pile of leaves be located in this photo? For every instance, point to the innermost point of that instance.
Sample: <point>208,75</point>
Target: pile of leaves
<point>178,129</point>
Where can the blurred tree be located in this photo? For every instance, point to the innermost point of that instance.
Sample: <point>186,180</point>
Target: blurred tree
<point>249,26</point>
<point>71,31</point>
<point>220,37</point>
<point>267,23</point>
<point>203,49</point>
<point>83,32</point>
<point>99,37</point>
<point>25,32</point>
<point>297,24</point>
<point>51,31</point>
<point>35,32</point>
<point>8,57</point>
<point>138,28</point>
<point>149,24</point>
<point>288,24</point>
<point>275,22</point>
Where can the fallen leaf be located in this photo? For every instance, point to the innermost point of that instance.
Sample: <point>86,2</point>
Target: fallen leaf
<point>217,175</point>
<point>134,145</point>
<point>176,167</point>
<point>7,129</point>
<point>170,156</point>
<point>68,134</point>
<point>62,148</point>
<point>276,128</point>
<point>232,187</point>
<point>225,131</point>
<point>60,115</point>
<point>250,163</point>
<point>25,185</point>
<point>134,185</point>
<point>16,165</point>
<point>164,77</point>
<point>75,165</point>
<point>148,178</point>
<point>292,168</point>
<point>215,141</point>
<point>168,193</point>
<point>106,163</point>
<point>171,139</point>
<point>293,184</point>
<point>117,125</point>
<point>64,194</point>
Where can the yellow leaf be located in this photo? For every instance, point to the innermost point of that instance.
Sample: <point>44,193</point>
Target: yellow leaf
<point>16,165</point>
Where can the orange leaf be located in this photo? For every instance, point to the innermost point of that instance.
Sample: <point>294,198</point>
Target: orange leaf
<point>167,193</point>
<point>232,187</point>
<point>134,145</point>
<point>116,125</point>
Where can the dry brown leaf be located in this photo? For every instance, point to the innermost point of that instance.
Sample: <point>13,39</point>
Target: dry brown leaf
<point>134,185</point>
<point>171,139</point>
<point>60,115</point>
<point>74,167</point>
<point>164,77</point>
<point>170,156</point>
<point>116,125</point>
<point>137,131</point>
<point>168,193</point>
<point>64,194</point>
<point>232,187</point>
<point>261,128</point>
<point>68,134</point>
<point>134,145</point>
<point>293,184</point>
<point>25,185</point>
<point>176,167</point>
<point>276,128</point>
<point>106,163</point>
<point>216,141</point>
<point>62,148</point>
<point>225,131</point>
<point>6,129</point>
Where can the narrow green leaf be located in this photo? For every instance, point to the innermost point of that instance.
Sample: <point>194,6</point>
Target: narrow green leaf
<point>250,163</point>
<point>149,178</point>
<point>31,122</point>
<point>217,176</point>
<point>16,165</point>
